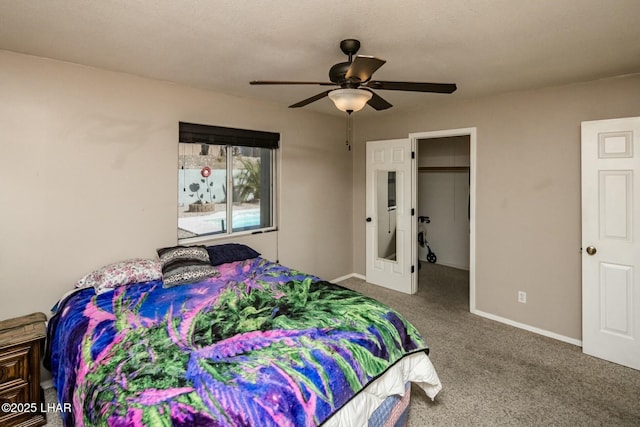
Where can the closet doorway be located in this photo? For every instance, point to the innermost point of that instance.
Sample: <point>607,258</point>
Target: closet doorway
<point>445,199</point>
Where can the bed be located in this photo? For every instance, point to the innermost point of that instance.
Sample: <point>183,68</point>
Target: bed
<point>252,343</point>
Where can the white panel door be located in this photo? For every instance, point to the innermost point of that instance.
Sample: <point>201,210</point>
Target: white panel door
<point>390,246</point>
<point>611,240</point>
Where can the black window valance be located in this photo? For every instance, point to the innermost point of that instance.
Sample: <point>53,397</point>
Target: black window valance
<point>205,134</point>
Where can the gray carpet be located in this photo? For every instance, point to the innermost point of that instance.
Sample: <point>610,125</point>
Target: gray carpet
<point>53,418</point>
<point>497,375</point>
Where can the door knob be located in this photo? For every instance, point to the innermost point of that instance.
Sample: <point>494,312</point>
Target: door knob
<point>591,250</point>
<point>369,219</point>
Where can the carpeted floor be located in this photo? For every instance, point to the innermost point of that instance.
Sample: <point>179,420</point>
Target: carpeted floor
<point>53,418</point>
<point>497,375</point>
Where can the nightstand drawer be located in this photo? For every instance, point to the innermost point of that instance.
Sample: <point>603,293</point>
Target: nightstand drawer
<point>14,366</point>
<point>18,394</point>
<point>15,395</point>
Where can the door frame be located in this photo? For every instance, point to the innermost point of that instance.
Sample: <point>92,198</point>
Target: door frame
<point>472,133</point>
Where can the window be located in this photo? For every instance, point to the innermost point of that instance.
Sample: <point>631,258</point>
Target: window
<point>226,181</point>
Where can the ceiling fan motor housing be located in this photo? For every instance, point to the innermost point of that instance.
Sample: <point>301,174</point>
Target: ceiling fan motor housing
<point>337,75</point>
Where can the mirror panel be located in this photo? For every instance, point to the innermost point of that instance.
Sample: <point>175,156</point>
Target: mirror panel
<point>386,213</point>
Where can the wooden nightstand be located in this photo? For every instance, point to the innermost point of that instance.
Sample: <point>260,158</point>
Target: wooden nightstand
<point>21,346</point>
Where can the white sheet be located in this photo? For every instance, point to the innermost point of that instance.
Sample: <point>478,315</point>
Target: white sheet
<point>416,368</point>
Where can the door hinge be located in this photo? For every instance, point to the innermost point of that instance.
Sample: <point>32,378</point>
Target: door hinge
<point>413,212</point>
<point>413,154</point>
<point>413,269</point>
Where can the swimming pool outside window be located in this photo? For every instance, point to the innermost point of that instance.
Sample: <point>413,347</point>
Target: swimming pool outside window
<point>224,188</point>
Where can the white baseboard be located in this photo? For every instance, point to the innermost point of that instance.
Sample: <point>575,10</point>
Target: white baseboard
<point>497,319</point>
<point>349,276</point>
<point>528,328</point>
<point>46,384</point>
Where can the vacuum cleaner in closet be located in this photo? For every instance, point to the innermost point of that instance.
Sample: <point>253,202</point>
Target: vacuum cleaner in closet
<point>422,239</point>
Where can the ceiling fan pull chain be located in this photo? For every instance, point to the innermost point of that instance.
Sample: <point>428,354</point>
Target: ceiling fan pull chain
<point>348,141</point>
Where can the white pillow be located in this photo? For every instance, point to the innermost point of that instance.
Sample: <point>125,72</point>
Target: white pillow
<point>136,270</point>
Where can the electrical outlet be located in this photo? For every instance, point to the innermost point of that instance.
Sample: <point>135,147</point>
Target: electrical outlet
<point>522,297</point>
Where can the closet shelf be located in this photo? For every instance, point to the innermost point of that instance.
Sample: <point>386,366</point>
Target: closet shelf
<point>443,168</point>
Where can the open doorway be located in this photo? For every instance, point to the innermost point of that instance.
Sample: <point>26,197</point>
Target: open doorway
<point>445,223</point>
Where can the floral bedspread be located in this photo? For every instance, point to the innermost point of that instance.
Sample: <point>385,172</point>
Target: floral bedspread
<point>260,344</point>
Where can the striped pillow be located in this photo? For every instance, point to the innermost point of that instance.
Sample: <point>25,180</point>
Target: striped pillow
<point>185,264</point>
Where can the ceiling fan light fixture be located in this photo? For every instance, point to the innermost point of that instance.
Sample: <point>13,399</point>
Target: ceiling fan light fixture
<point>350,100</point>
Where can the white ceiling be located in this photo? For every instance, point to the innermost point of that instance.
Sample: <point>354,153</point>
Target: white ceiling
<point>485,46</point>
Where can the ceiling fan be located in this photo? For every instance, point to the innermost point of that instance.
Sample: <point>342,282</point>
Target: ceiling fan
<point>354,79</point>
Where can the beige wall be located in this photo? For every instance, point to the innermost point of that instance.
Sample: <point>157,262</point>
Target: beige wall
<point>528,191</point>
<point>88,176</point>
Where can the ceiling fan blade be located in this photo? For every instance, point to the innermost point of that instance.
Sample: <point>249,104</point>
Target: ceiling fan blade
<point>363,67</point>
<point>310,100</point>
<point>413,87</point>
<point>275,82</point>
<point>377,102</point>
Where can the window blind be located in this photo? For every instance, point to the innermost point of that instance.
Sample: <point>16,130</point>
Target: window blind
<point>218,135</point>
